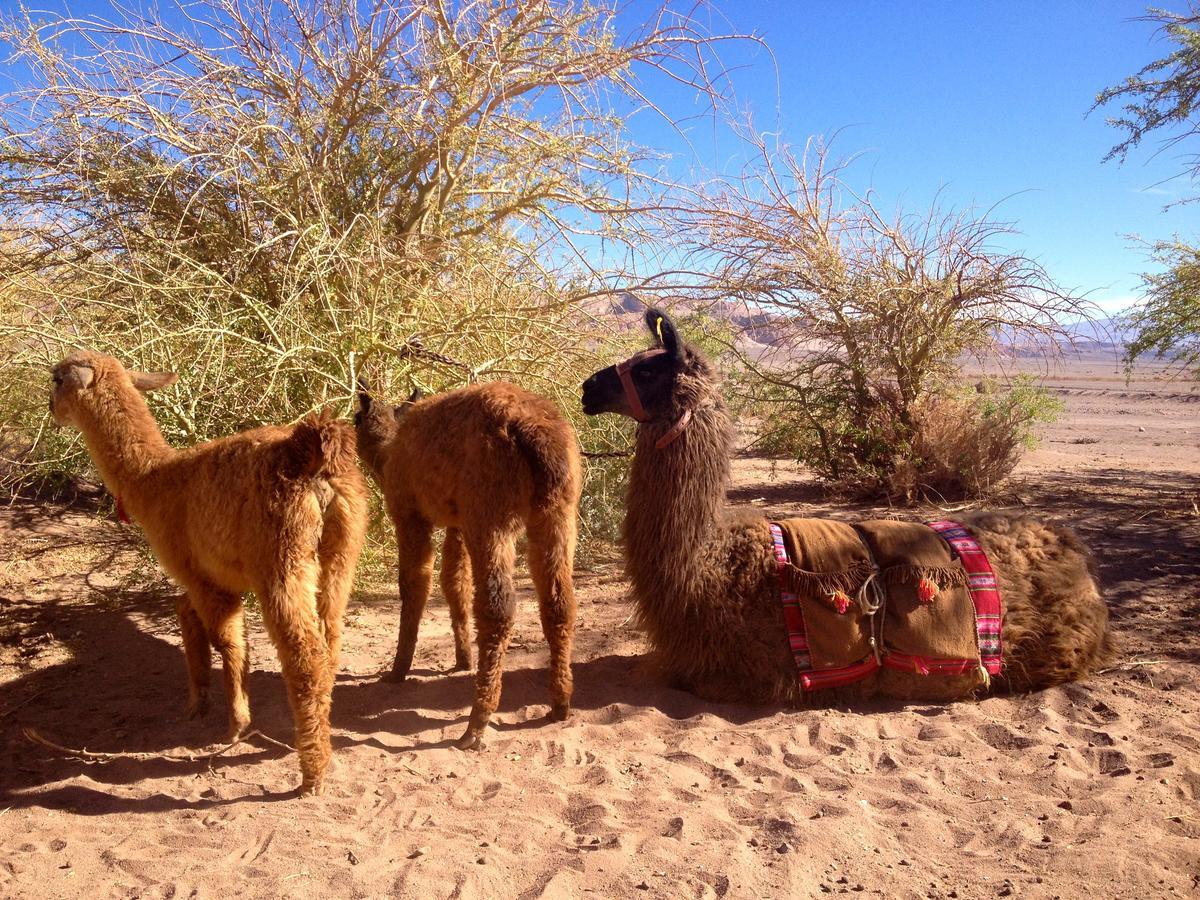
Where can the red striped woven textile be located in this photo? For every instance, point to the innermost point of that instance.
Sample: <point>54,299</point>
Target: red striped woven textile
<point>985,590</point>
<point>793,616</point>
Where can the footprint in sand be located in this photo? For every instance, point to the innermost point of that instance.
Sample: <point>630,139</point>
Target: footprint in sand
<point>1091,736</point>
<point>1106,761</point>
<point>1001,737</point>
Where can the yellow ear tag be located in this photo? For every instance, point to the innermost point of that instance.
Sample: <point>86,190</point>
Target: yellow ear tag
<point>658,328</point>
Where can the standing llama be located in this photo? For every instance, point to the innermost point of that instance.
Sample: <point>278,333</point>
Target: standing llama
<point>480,461</point>
<point>280,511</point>
<point>707,580</point>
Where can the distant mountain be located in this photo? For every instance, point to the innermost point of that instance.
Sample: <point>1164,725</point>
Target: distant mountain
<point>1100,333</point>
<point>759,331</point>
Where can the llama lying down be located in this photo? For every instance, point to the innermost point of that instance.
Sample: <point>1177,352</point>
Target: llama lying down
<point>739,608</point>
<point>281,511</point>
<point>480,462</point>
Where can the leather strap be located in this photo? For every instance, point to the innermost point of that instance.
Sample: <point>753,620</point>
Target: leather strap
<point>636,409</point>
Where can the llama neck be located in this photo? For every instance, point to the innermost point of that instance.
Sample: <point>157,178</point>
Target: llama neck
<point>676,495</point>
<point>123,439</point>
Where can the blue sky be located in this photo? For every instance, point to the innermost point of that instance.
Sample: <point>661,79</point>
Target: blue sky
<point>986,100</point>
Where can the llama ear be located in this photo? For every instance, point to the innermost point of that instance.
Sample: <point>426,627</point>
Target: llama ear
<point>78,376</point>
<point>152,381</point>
<point>663,329</point>
<point>364,395</point>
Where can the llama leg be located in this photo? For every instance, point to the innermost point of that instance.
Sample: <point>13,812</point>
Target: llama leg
<point>289,611</point>
<point>198,654</point>
<point>456,588</point>
<point>495,603</point>
<point>552,538</point>
<point>226,624</point>
<point>414,540</point>
<point>341,543</point>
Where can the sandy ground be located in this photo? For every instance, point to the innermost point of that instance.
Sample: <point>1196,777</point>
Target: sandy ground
<point>1086,790</point>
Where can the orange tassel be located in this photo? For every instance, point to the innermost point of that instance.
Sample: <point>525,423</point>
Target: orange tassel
<point>841,601</point>
<point>926,591</point>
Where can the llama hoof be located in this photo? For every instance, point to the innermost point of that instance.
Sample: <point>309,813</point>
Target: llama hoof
<point>394,677</point>
<point>472,740</point>
<point>197,707</point>
<point>312,788</point>
<point>560,712</point>
<point>237,729</point>
<point>462,665</point>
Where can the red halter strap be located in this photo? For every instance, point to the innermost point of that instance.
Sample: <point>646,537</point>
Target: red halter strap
<point>636,409</point>
<point>623,372</point>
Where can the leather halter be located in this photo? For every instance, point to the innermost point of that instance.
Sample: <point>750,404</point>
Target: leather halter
<point>636,409</point>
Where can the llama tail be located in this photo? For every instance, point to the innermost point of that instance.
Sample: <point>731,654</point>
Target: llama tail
<point>553,461</point>
<point>320,447</point>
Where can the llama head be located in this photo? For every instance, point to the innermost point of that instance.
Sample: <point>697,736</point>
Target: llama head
<point>83,377</point>
<point>669,379</point>
<point>376,424</point>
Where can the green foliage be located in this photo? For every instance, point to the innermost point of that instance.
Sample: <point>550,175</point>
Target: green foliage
<point>1167,323</point>
<point>1164,95</point>
<point>955,443</point>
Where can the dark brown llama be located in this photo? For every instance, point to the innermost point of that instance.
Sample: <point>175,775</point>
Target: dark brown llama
<point>480,462</point>
<point>704,576</point>
<point>280,511</point>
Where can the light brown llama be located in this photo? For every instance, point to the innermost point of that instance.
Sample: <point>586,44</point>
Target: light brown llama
<point>704,576</point>
<point>480,461</point>
<point>280,511</point>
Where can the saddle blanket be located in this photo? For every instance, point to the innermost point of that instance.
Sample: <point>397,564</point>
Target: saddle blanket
<point>902,595</point>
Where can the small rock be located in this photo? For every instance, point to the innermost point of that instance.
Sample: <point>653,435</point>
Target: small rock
<point>905,862</point>
<point>420,851</point>
<point>1123,770</point>
<point>642,886</point>
<point>843,880</point>
<point>481,861</point>
<point>753,842</point>
<point>1045,839</point>
<point>58,844</point>
<point>783,848</point>
<point>351,857</point>
<point>1066,804</point>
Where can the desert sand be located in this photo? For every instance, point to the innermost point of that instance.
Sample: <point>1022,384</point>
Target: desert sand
<point>1087,790</point>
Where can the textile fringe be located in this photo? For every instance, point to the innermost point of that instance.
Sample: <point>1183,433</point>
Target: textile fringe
<point>825,584</point>
<point>942,576</point>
